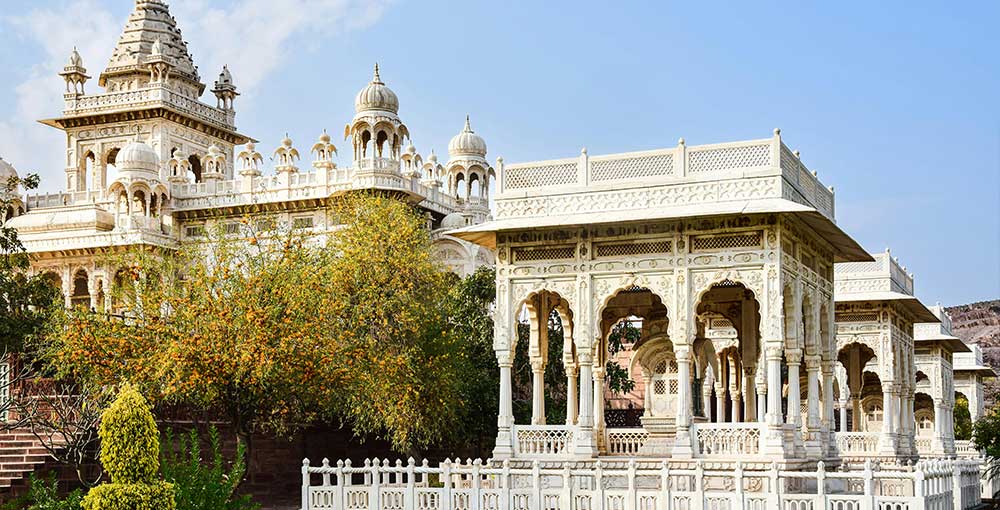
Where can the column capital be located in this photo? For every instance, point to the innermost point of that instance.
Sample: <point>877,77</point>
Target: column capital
<point>812,362</point>
<point>793,356</point>
<point>537,365</point>
<point>774,352</point>
<point>505,358</point>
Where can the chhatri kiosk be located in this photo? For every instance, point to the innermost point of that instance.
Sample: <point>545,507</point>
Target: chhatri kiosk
<point>725,252</point>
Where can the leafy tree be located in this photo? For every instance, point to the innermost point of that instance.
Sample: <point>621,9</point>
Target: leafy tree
<point>470,317</point>
<point>616,376</point>
<point>962,418</point>
<point>986,438</point>
<point>25,300</point>
<point>276,330</point>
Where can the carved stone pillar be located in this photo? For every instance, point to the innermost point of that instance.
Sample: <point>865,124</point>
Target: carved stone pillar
<point>571,392</point>
<point>504,448</point>
<point>843,415</point>
<point>537,392</point>
<point>855,405</point>
<point>774,386</point>
<point>827,425</point>
<point>720,402</point>
<point>814,444</point>
<point>647,393</point>
<point>598,401</point>
<point>750,405</point>
<point>682,443</point>
<point>793,358</point>
<point>584,442</point>
<point>887,444</point>
<point>706,399</point>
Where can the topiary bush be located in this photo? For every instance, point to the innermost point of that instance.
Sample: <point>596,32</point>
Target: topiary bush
<point>130,453</point>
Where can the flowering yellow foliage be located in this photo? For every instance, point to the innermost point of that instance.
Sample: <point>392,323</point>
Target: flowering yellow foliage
<point>286,330</point>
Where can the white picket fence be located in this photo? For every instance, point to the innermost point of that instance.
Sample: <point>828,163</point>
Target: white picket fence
<point>632,485</point>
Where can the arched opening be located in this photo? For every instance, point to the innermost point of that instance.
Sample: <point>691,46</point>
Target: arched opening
<point>366,137</point>
<point>854,357</point>
<point>80,295</point>
<point>55,281</point>
<point>923,414</point>
<point>8,214</point>
<point>194,174</point>
<point>139,203</point>
<point>475,186</point>
<point>110,170</point>
<point>543,351</point>
<point>871,403</point>
<point>458,185</point>
<point>729,341</point>
<point>380,140</point>
<point>89,164</point>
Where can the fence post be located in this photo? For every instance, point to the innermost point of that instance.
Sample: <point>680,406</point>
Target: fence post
<point>339,492</point>
<point>773,496</point>
<point>956,483</point>
<point>376,480</point>
<point>699,481</point>
<point>567,489</point>
<point>446,480</point>
<point>630,480</point>
<point>738,475</point>
<point>665,485</point>
<point>918,483</point>
<point>869,481</point>
<point>599,485</point>
<point>305,484</point>
<point>505,478</point>
<point>536,484</point>
<point>477,485</point>
<point>411,484</point>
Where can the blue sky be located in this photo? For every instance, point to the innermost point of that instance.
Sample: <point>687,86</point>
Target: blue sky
<point>895,103</point>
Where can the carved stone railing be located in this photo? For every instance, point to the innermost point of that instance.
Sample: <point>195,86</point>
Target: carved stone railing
<point>726,439</point>
<point>542,440</point>
<point>857,444</point>
<point>155,94</point>
<point>922,444</point>
<point>683,175</point>
<point>381,485</point>
<point>624,442</point>
<point>47,200</point>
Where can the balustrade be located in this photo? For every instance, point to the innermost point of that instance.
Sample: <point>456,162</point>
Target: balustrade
<point>625,441</point>
<point>543,440</point>
<point>727,439</point>
<point>379,485</point>
<point>858,443</point>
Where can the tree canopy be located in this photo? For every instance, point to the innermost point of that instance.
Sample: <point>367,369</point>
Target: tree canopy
<point>277,329</point>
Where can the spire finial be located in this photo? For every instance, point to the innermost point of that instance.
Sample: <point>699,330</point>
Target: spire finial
<point>376,78</point>
<point>468,126</point>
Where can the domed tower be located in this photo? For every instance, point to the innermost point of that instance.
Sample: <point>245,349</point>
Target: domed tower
<point>75,74</point>
<point>138,194</point>
<point>469,173</point>
<point>376,132</point>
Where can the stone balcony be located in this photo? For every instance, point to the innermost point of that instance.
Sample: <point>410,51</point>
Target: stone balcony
<point>884,274</point>
<point>151,96</point>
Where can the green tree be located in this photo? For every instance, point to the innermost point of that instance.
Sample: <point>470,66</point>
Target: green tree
<point>276,330</point>
<point>962,418</point>
<point>986,439</point>
<point>26,300</point>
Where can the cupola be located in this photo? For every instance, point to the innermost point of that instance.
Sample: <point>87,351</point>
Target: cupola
<point>376,96</point>
<point>467,143</point>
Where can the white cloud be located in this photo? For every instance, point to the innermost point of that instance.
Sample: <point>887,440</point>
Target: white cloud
<point>253,37</point>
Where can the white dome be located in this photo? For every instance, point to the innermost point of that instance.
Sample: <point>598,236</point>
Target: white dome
<point>376,96</point>
<point>6,172</point>
<point>467,143</point>
<point>453,221</point>
<point>137,156</point>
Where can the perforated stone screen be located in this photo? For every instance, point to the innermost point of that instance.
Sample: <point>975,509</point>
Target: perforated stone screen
<point>723,242</point>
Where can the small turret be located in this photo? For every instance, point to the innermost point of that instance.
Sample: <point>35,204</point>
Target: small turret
<point>324,151</point>
<point>224,90</point>
<point>178,167</point>
<point>75,74</point>
<point>159,64</point>
<point>285,157</point>
<point>250,160</point>
<point>213,164</point>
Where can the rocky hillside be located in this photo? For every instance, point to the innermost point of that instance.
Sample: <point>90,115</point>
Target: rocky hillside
<point>977,323</point>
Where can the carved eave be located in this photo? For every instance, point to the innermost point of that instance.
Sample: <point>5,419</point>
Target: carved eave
<point>260,208</point>
<point>146,241</point>
<point>911,305</point>
<point>209,129</point>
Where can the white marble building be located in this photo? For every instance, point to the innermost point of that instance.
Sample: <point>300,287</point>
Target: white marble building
<point>148,164</point>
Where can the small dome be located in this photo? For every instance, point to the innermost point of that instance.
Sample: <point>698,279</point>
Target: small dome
<point>410,149</point>
<point>432,158</point>
<point>74,59</point>
<point>137,156</point>
<point>325,137</point>
<point>376,96</point>
<point>453,221</point>
<point>467,143</point>
<point>6,172</point>
<point>225,77</point>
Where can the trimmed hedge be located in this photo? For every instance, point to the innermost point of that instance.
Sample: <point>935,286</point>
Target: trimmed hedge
<point>156,495</point>
<point>130,453</point>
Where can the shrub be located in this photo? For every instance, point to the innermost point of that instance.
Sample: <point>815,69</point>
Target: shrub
<point>204,484</point>
<point>130,453</point>
<point>43,494</point>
